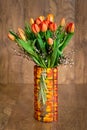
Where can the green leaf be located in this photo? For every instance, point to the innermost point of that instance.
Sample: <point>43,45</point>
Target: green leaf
<point>27,27</point>
<point>41,43</point>
<point>37,61</point>
<point>48,34</point>
<point>48,61</point>
<point>54,55</point>
<point>66,41</point>
<point>14,34</point>
<point>61,43</point>
<point>58,31</point>
<point>29,34</point>
<point>59,53</point>
<point>27,47</point>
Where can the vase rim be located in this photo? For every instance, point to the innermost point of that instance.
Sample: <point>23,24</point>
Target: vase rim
<point>46,68</point>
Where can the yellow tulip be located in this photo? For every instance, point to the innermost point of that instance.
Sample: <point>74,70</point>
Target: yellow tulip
<point>41,18</point>
<point>31,21</point>
<point>62,22</point>
<point>50,17</point>
<point>21,34</point>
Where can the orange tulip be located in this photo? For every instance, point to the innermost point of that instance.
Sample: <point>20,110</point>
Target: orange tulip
<point>52,26</point>
<point>46,22</point>
<point>39,20</point>
<point>50,17</point>
<point>70,28</point>
<point>35,28</point>
<point>21,34</point>
<point>31,21</point>
<point>43,27</point>
<point>62,22</point>
<point>50,41</point>
<point>11,37</point>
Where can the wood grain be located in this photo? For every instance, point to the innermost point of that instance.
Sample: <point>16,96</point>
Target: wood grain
<point>13,14</point>
<point>81,42</point>
<point>11,17</point>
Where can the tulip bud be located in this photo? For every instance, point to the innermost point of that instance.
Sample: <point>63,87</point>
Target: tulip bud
<point>41,18</point>
<point>11,37</point>
<point>21,34</point>
<point>52,26</point>
<point>31,21</point>
<point>50,41</point>
<point>35,28</point>
<point>62,22</point>
<point>46,22</point>
<point>38,20</point>
<point>70,28</point>
<point>43,27</point>
<point>50,17</point>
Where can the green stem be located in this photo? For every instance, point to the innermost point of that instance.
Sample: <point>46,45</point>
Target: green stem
<point>43,87</point>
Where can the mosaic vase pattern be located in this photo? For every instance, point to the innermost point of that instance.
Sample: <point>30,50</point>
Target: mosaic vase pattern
<point>47,112</point>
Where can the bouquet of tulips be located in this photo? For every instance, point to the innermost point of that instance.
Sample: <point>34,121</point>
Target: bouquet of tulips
<point>44,40</point>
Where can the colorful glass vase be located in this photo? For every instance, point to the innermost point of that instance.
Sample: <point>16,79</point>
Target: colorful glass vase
<point>45,94</point>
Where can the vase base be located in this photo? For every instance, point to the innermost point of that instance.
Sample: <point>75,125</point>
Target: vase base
<point>46,119</point>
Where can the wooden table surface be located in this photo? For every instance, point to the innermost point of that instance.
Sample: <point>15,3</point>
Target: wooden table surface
<point>16,108</point>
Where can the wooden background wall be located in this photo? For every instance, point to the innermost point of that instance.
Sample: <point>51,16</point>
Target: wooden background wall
<point>13,13</point>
